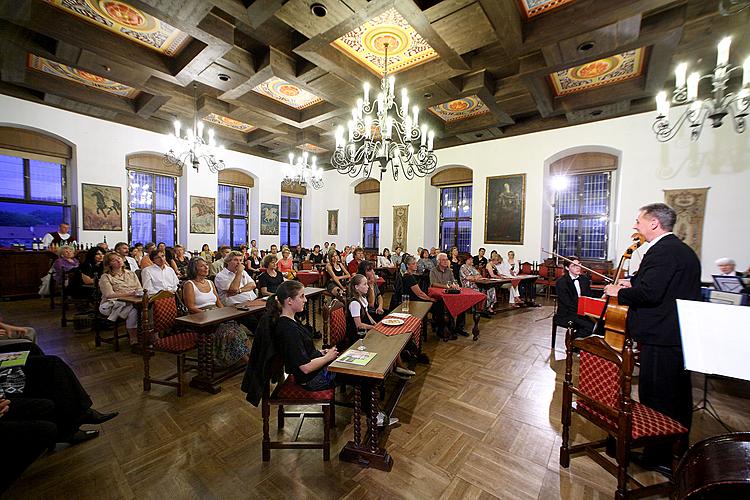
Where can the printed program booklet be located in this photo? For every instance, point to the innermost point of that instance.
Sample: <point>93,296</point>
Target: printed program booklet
<point>354,357</point>
<point>9,359</point>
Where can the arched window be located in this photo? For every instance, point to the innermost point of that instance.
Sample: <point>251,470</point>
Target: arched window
<point>369,210</point>
<point>582,204</point>
<point>234,195</point>
<point>455,207</point>
<point>33,191</point>
<point>290,217</point>
<point>152,199</point>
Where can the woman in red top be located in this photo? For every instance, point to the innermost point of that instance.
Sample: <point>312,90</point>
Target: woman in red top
<point>286,263</point>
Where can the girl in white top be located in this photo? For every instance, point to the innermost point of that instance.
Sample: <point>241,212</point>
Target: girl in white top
<point>385,259</point>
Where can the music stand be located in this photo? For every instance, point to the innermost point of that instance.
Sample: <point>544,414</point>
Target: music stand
<point>733,284</point>
<point>714,342</point>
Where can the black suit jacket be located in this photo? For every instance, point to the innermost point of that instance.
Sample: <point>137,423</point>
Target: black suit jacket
<point>669,271</point>
<point>567,297</point>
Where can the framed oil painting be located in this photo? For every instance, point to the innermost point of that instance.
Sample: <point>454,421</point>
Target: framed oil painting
<point>269,219</point>
<point>504,209</point>
<point>202,215</point>
<point>333,222</point>
<point>102,207</point>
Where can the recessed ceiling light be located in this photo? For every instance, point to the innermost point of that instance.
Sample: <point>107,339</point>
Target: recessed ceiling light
<point>318,10</point>
<point>478,135</point>
<point>427,95</point>
<point>596,112</point>
<point>586,46</point>
<point>224,77</point>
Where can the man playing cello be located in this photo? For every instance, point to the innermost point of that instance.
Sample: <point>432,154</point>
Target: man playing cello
<point>670,270</point>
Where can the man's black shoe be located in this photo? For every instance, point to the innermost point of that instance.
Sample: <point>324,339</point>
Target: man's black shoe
<point>463,333</point>
<point>423,358</point>
<point>94,417</point>
<point>81,436</point>
<point>643,462</point>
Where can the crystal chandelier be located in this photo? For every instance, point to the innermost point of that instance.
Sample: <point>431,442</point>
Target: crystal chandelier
<point>382,133</point>
<point>299,171</point>
<point>714,107</point>
<point>197,150</point>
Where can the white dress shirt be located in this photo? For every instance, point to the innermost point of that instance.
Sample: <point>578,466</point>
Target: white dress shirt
<point>47,239</point>
<point>222,281</point>
<point>132,263</point>
<point>155,279</point>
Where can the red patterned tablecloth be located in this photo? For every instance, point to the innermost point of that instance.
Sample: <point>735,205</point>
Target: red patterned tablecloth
<point>456,303</point>
<point>411,325</point>
<point>307,278</point>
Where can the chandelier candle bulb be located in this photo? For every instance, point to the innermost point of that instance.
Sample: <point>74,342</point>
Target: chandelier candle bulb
<point>680,73</point>
<point>351,130</point>
<point>200,129</point>
<point>366,88</point>
<point>722,56</point>
<point>746,73</point>
<point>424,135</point>
<point>368,127</point>
<point>662,104</point>
<point>692,86</point>
<point>415,112</point>
<point>430,138</point>
<point>391,85</point>
<point>177,126</point>
<point>388,127</point>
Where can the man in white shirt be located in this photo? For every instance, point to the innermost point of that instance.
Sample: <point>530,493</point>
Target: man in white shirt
<point>60,237</point>
<point>159,276</point>
<point>233,284</point>
<point>218,264</point>
<point>123,251</point>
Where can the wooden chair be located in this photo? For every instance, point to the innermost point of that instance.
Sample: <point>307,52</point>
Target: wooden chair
<point>158,334</point>
<point>306,265</point>
<point>545,280</point>
<point>334,323</point>
<point>101,322</point>
<point>603,397</point>
<point>527,268</point>
<point>289,392</point>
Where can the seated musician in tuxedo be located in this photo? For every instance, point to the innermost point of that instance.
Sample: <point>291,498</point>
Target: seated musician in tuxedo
<point>569,287</point>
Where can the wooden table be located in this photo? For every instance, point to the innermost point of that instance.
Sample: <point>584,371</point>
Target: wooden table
<point>313,295</point>
<point>371,452</point>
<point>485,283</point>
<point>203,324</point>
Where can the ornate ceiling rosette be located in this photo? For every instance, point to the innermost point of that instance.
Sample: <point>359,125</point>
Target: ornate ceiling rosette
<point>312,148</point>
<point>128,22</point>
<point>594,74</point>
<point>531,8</point>
<point>460,109</point>
<point>82,77</point>
<point>287,93</point>
<point>366,44</point>
<point>228,122</point>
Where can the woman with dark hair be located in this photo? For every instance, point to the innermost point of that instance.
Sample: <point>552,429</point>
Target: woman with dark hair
<point>206,253</point>
<point>469,275</point>
<point>179,261</point>
<point>231,339</point>
<point>384,260</point>
<point>337,273</point>
<point>316,256</point>
<point>81,285</point>
<point>269,280</point>
<point>301,359</point>
<point>424,264</point>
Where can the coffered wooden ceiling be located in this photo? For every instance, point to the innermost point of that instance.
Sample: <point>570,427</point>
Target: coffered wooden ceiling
<point>275,76</point>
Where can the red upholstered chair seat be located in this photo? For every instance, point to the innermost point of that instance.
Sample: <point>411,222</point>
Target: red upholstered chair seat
<point>338,325</point>
<point>179,342</point>
<point>290,389</point>
<point>647,422</point>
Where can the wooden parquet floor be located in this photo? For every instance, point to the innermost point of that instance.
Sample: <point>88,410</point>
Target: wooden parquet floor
<point>481,421</point>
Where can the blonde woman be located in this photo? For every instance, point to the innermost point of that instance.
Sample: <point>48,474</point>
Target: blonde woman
<point>116,283</point>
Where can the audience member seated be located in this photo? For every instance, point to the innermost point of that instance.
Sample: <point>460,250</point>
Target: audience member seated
<point>316,257</point>
<point>455,263</point>
<point>727,267</point>
<point>271,278</point>
<point>424,264</point>
<point>123,250</point>
<point>358,255</point>
<point>337,273</point>
<point>234,285</point>
<point>274,251</point>
<point>180,261</point>
<point>115,283</point>
<point>137,253</point>
<point>397,256</point>
<point>218,263</point>
<point>301,359</point>
<point>469,276</point>
<point>285,263</point>
<point>159,276</point>
<point>46,406</point>
<point>81,285</point>
<point>374,297</point>
<point>231,340</point>
<point>410,281</point>
<point>493,266</point>
<point>206,253</point>
<point>64,263</point>
<point>358,318</point>
<point>442,277</point>
<point>433,255</point>
<point>480,261</point>
<point>507,270</point>
<point>19,338</point>
<point>384,260</point>
<point>569,287</point>
<point>146,260</point>
<point>253,262</point>
<point>345,255</point>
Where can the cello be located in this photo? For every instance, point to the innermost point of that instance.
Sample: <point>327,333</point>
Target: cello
<point>614,326</point>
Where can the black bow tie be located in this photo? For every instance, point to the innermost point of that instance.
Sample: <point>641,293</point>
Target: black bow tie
<point>575,279</point>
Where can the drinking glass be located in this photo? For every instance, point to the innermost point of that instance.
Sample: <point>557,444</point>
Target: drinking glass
<point>361,332</point>
<point>404,303</point>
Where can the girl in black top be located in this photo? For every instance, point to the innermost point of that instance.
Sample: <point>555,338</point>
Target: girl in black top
<point>455,264</point>
<point>337,274</point>
<point>269,281</point>
<point>409,282</point>
<point>253,263</point>
<point>301,359</point>
<point>316,257</point>
<point>87,274</point>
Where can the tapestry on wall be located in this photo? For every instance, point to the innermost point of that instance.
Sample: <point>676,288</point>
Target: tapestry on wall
<point>102,207</point>
<point>400,225</point>
<point>202,215</point>
<point>690,205</point>
<point>505,205</point>
<point>269,219</point>
<point>333,222</point>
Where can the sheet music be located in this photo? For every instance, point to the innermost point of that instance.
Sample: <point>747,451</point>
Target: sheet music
<point>715,338</point>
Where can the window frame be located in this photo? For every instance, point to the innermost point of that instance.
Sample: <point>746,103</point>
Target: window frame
<point>153,211</point>
<point>371,221</point>
<point>288,220</point>
<point>231,215</point>
<point>27,183</point>
<point>580,216</point>
<point>454,220</point>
